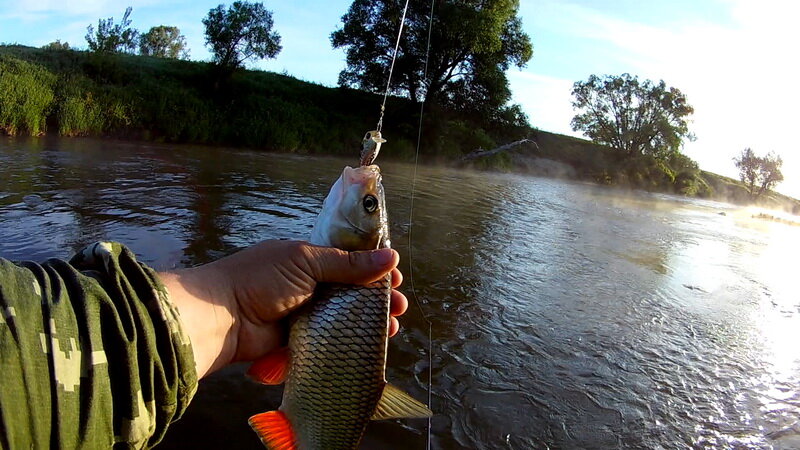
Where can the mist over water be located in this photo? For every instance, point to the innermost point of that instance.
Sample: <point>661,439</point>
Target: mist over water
<point>564,315</point>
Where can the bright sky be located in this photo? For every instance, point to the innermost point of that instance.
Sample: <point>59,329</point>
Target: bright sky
<point>734,59</point>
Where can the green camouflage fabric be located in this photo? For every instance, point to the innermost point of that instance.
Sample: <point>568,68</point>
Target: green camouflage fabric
<point>92,353</point>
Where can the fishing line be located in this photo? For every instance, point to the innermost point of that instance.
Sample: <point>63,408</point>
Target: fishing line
<point>413,188</point>
<point>391,68</point>
<point>411,227</point>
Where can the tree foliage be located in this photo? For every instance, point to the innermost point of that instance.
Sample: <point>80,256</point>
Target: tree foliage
<point>241,32</point>
<point>472,45</point>
<point>638,118</point>
<point>57,45</point>
<point>769,172</point>
<point>759,173</point>
<point>164,42</point>
<point>113,38</point>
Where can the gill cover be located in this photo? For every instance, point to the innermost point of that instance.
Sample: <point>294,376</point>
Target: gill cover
<point>353,215</point>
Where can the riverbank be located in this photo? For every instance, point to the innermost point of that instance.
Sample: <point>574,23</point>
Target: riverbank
<point>77,93</point>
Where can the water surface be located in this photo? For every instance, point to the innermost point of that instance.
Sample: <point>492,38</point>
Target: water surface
<point>564,315</point>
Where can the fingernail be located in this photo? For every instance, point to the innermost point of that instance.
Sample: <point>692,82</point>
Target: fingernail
<point>382,257</point>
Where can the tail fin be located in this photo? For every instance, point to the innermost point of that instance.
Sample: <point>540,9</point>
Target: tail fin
<point>274,430</point>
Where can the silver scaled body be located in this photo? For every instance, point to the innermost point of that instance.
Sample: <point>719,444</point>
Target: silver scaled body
<point>338,347</point>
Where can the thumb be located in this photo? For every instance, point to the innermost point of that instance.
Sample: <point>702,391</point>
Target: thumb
<point>332,265</point>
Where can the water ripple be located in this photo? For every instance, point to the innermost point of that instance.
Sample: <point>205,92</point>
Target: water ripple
<point>564,315</point>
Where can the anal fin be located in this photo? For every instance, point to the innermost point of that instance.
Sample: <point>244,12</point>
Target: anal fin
<point>272,368</point>
<point>274,430</point>
<point>396,404</point>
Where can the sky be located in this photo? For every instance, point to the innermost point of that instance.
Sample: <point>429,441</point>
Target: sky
<point>734,59</point>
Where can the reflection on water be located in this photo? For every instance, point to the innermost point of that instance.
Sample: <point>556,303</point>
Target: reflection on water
<point>564,315</point>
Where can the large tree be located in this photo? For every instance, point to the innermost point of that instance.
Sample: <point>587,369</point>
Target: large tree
<point>637,118</point>
<point>241,32</point>
<point>164,42</point>
<point>759,173</point>
<point>472,45</point>
<point>113,37</point>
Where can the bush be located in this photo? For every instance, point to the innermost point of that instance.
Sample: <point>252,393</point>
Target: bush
<point>26,96</point>
<point>79,115</point>
<point>460,138</point>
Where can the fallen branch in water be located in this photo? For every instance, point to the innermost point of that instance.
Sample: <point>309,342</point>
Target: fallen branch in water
<point>479,153</point>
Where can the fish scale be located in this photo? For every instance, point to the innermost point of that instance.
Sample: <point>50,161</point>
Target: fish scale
<point>338,347</point>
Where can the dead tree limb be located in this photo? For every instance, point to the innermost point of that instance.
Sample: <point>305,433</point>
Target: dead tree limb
<point>479,153</point>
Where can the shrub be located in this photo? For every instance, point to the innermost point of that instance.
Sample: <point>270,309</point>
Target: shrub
<point>461,138</point>
<point>26,96</point>
<point>79,115</point>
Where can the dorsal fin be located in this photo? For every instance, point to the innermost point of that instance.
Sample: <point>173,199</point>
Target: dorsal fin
<point>396,404</point>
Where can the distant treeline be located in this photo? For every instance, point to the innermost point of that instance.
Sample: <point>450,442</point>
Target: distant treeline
<point>77,93</point>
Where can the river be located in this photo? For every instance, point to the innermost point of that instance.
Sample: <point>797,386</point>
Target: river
<point>564,315</point>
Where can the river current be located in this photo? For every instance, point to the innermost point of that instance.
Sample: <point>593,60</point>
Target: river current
<point>564,315</point>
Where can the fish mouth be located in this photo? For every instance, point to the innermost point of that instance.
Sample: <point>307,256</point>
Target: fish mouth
<point>357,229</point>
<point>354,238</point>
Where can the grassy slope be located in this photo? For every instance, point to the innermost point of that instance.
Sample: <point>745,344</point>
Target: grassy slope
<point>182,101</point>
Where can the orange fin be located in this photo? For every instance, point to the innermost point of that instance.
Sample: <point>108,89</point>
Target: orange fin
<point>272,368</point>
<point>274,430</point>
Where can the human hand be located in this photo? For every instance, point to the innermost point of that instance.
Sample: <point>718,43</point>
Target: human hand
<point>232,308</point>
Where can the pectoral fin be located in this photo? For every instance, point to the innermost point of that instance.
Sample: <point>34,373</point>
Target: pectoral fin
<point>396,404</point>
<point>272,368</point>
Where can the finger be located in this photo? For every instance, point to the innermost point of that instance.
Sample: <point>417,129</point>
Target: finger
<point>397,277</point>
<point>337,266</point>
<point>394,326</point>
<point>398,304</point>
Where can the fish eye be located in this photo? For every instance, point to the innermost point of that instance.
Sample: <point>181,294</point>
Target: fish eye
<point>368,135</point>
<point>370,203</point>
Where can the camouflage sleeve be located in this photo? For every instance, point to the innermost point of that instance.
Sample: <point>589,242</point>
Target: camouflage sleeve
<point>92,353</point>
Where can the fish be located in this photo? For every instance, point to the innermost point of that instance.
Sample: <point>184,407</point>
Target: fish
<point>335,364</point>
<point>370,147</point>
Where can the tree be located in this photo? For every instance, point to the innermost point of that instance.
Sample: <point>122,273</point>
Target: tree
<point>638,118</point>
<point>760,174</point>
<point>164,42</point>
<point>111,37</point>
<point>242,32</point>
<point>56,45</point>
<point>748,164</point>
<point>769,172</point>
<point>472,45</point>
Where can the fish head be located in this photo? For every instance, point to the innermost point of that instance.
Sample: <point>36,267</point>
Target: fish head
<point>353,215</point>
